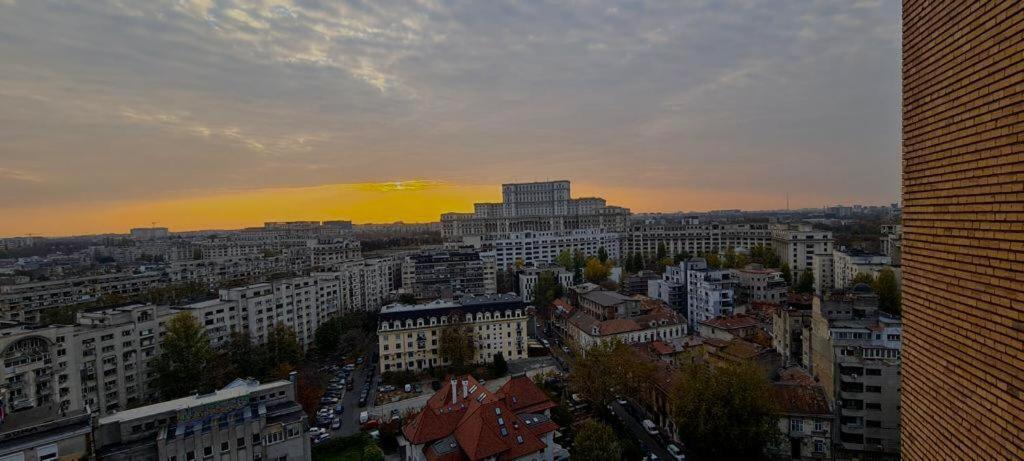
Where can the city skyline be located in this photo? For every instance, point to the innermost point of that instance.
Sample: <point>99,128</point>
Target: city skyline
<point>166,111</point>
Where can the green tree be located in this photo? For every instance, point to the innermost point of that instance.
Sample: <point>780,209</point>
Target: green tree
<point>595,442</point>
<point>865,278</point>
<point>888,291</point>
<point>546,290</point>
<point>638,262</point>
<point>607,370</point>
<point>787,274</point>
<point>185,358</point>
<point>282,348</point>
<point>240,355</point>
<point>764,256</point>
<point>602,255</point>
<point>595,271</point>
<point>407,298</point>
<point>806,282</point>
<point>499,367</point>
<point>680,257</point>
<point>564,259</point>
<point>662,252</point>
<point>579,261</point>
<point>725,412</point>
<point>457,344</point>
<point>372,452</point>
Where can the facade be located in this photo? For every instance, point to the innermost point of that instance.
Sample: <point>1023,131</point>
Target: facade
<point>806,417</point>
<point>409,334</point>
<point>637,284</point>
<point>961,252</point>
<point>855,353</point>
<point>44,434</point>
<point>149,233</point>
<point>754,284</point>
<point>466,421</point>
<point>606,305</point>
<point>448,273</point>
<point>244,421</point>
<point>534,207</point>
<point>729,328</point>
<point>25,302</point>
<point>528,280</point>
<point>660,324</point>
<point>543,247</point>
<point>709,294</point>
<point>823,268</point>
<point>796,244</point>
<point>891,242</point>
<point>365,285</point>
<point>693,237</point>
<point>848,263</point>
<point>788,325</point>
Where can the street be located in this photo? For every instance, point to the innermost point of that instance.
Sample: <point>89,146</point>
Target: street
<point>638,432</point>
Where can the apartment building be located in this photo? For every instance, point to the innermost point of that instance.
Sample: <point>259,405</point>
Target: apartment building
<point>796,244</point>
<point>149,233</point>
<point>246,420</point>
<point>529,276</point>
<point>658,324</point>
<point>806,418</point>
<point>847,263</point>
<point>409,335</point>
<point>891,242</point>
<point>823,268</point>
<point>855,353</point>
<point>757,284</point>
<point>709,294</point>
<point>44,433</point>
<point>693,237</point>
<point>25,302</point>
<point>534,207</point>
<point>219,269</point>
<point>543,247</point>
<point>366,284</point>
<point>606,305</point>
<point>447,273</point>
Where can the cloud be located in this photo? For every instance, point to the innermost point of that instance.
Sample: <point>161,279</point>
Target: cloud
<point>18,175</point>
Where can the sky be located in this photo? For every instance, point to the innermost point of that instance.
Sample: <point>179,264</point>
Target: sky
<point>198,114</point>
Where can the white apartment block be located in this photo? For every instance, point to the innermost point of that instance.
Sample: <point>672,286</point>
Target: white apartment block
<point>539,248</point>
<point>25,302</point>
<point>709,294</point>
<point>216,270</point>
<point>538,207</point>
<point>755,284</point>
<point>796,244</point>
<point>364,285</point>
<point>246,420</point>
<point>149,233</point>
<point>693,237</point>
<point>847,264</point>
<point>823,268</point>
<point>528,280</point>
<point>449,272</point>
<point>891,243</point>
<point>409,335</point>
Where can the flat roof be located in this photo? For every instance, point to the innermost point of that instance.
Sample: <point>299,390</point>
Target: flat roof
<point>231,391</point>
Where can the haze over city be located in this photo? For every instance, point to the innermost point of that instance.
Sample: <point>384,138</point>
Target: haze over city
<point>197,114</point>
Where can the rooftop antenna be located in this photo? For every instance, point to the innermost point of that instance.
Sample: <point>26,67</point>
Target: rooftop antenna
<point>787,200</point>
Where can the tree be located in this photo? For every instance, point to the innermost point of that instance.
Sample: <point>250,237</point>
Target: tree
<point>595,271</point>
<point>806,282</point>
<point>865,278</point>
<point>662,252</point>
<point>564,259</point>
<point>545,291</point>
<point>282,348</point>
<point>725,412</point>
<point>712,258</point>
<point>407,298</point>
<point>579,260</point>
<point>787,274</point>
<point>595,442</point>
<point>241,356</point>
<point>609,369</point>
<point>185,358</point>
<point>372,452</point>
<point>638,262</point>
<point>764,256</point>
<point>888,291</point>
<point>680,257</point>
<point>457,344</point>
<point>499,367</point>
<point>602,255</point>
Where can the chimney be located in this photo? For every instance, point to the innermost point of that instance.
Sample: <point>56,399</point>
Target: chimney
<point>465,388</point>
<point>455,390</point>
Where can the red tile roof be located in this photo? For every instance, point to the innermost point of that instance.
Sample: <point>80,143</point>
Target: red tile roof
<point>481,424</point>
<point>801,399</point>
<point>731,322</point>
<point>662,348</point>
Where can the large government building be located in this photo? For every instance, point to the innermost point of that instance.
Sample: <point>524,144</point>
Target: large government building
<point>963,229</point>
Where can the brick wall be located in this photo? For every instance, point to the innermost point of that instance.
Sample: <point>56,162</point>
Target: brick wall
<point>963,247</point>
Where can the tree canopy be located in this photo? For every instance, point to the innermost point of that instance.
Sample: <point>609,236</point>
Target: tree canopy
<point>725,412</point>
<point>596,271</point>
<point>457,344</point>
<point>607,370</point>
<point>595,442</point>
<point>888,290</point>
<point>806,282</point>
<point>865,278</point>
<point>184,364</point>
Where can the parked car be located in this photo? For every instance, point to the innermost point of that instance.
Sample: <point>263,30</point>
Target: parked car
<point>650,427</point>
<point>350,385</point>
<point>364,416</point>
<point>362,402</point>
<point>676,453</point>
<point>336,424</point>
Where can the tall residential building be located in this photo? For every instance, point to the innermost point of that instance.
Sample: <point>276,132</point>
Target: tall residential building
<point>963,229</point>
<point>694,237</point>
<point>796,245</point>
<point>246,420</point>
<point>25,302</point>
<point>854,352</point>
<point>410,334</point>
<point>757,284</point>
<point>846,264</point>
<point>891,242</point>
<point>529,276</point>
<point>540,248</point>
<point>448,273</point>
<point>709,294</point>
<point>149,233</point>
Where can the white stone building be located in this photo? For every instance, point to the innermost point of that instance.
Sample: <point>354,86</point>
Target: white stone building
<point>796,245</point>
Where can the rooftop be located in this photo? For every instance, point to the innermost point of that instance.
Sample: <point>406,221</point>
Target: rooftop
<point>236,389</point>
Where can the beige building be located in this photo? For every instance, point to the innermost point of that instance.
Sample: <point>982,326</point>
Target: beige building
<point>409,335</point>
<point>796,245</point>
<point>25,302</point>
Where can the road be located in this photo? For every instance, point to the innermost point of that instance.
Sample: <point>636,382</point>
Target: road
<point>636,428</point>
<point>350,420</point>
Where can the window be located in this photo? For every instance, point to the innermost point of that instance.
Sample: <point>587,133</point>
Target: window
<point>874,389</point>
<point>873,372</point>
<point>190,456</point>
<point>819,426</point>
<point>873,406</point>
<point>207,451</point>
<point>225,446</point>
<point>796,425</point>
<point>819,446</point>
<point>240,442</point>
